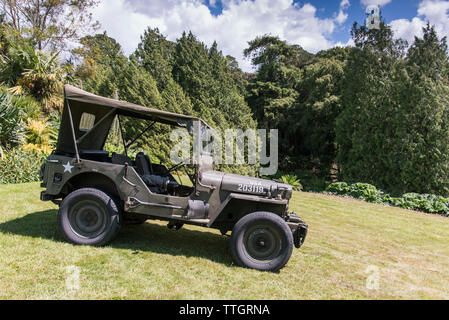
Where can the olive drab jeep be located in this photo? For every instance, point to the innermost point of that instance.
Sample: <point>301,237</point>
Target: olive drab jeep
<point>98,192</point>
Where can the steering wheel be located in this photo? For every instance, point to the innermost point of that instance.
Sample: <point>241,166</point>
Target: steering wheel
<point>181,164</point>
<point>176,166</point>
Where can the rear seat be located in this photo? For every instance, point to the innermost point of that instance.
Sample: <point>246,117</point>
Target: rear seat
<point>94,155</point>
<point>120,159</point>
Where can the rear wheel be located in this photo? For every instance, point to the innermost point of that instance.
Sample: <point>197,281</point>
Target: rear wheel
<point>262,241</point>
<point>89,217</point>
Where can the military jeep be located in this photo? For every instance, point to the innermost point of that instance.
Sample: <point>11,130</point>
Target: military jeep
<point>98,191</point>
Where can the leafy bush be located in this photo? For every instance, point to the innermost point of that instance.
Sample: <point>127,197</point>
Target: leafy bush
<point>28,106</point>
<point>11,124</point>
<point>39,136</point>
<point>311,182</point>
<point>340,188</point>
<point>20,166</point>
<point>293,181</point>
<point>413,201</point>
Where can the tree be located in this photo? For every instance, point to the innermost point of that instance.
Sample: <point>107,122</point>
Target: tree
<point>50,24</point>
<point>205,77</point>
<point>428,56</point>
<point>394,129</point>
<point>102,62</point>
<point>317,108</point>
<point>154,53</point>
<point>277,61</point>
<point>378,40</point>
<point>34,72</point>
<point>299,94</point>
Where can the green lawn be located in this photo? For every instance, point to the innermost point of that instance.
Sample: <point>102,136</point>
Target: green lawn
<point>348,242</point>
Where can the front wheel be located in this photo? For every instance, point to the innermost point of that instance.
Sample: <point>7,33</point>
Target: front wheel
<point>261,241</point>
<point>89,217</point>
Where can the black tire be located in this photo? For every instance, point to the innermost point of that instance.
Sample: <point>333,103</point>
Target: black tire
<point>261,241</point>
<point>89,217</point>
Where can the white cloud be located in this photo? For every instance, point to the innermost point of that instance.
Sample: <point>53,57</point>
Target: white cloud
<point>239,22</point>
<point>407,29</point>
<point>342,15</point>
<point>121,22</point>
<point>375,2</point>
<point>433,11</point>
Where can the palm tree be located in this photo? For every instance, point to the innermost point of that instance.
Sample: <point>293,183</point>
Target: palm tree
<point>34,72</point>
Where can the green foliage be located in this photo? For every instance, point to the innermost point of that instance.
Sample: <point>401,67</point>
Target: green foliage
<point>20,166</point>
<point>428,203</point>
<point>28,106</point>
<point>49,24</point>
<point>318,105</point>
<point>155,53</point>
<point>277,60</point>
<point>102,63</point>
<point>293,181</point>
<point>357,190</point>
<point>11,123</point>
<point>205,77</point>
<point>394,128</point>
<point>34,72</point>
<point>299,94</point>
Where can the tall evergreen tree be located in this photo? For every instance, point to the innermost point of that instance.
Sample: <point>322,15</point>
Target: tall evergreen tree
<point>205,76</point>
<point>392,132</point>
<point>154,53</point>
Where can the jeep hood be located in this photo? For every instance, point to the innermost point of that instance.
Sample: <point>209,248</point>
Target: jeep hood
<point>248,185</point>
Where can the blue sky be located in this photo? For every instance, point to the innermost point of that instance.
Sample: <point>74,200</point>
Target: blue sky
<point>314,24</point>
<point>398,9</point>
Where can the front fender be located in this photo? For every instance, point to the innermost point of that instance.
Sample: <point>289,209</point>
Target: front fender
<point>249,203</point>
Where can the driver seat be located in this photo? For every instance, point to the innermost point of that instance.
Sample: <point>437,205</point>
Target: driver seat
<point>144,168</point>
<point>143,164</point>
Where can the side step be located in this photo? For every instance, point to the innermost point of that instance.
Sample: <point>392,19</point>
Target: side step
<point>184,219</point>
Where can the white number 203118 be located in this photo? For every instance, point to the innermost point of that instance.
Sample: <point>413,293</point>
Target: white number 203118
<point>373,19</point>
<point>250,188</point>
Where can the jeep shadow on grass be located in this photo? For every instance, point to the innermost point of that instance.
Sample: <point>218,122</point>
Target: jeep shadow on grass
<point>98,192</point>
<point>146,237</point>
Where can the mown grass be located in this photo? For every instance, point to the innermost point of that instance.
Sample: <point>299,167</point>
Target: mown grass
<point>348,241</point>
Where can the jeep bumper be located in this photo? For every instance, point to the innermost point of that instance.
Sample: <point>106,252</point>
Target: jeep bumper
<point>47,197</point>
<point>299,229</point>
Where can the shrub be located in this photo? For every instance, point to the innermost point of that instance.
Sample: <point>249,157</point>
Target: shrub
<point>428,203</point>
<point>39,136</point>
<point>27,105</point>
<point>20,166</point>
<point>293,181</point>
<point>11,124</point>
<point>341,188</point>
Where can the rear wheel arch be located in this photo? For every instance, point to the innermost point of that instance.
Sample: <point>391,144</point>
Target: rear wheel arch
<point>94,180</point>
